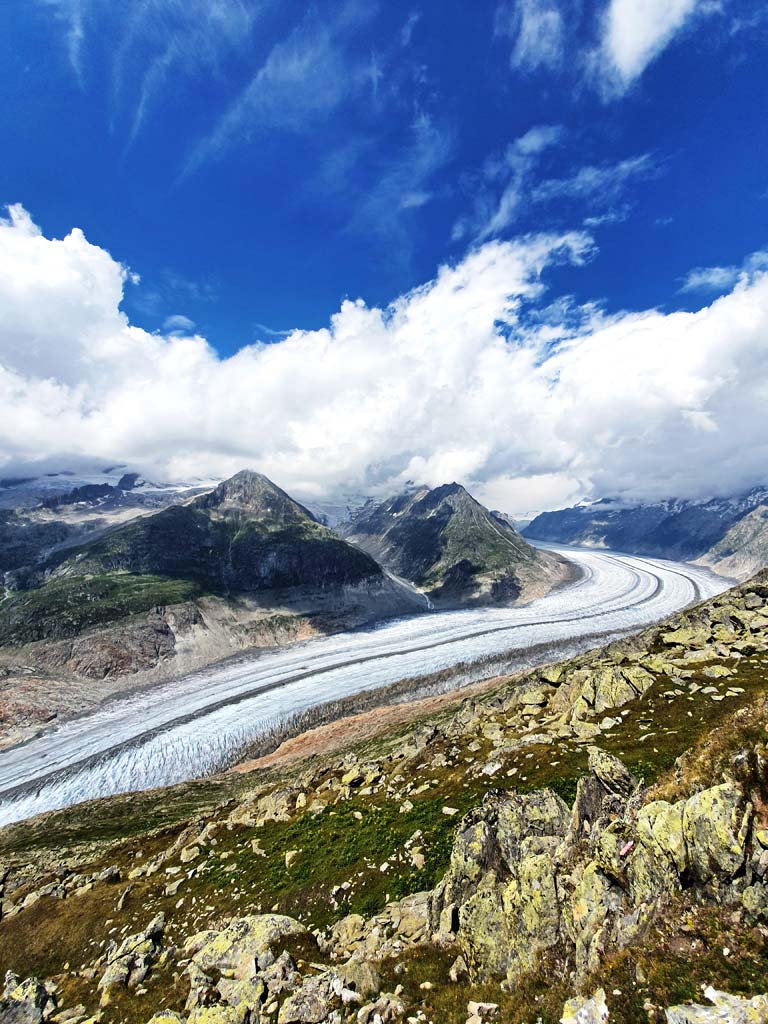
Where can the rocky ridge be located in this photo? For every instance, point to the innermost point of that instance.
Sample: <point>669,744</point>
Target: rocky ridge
<point>598,824</point>
<point>728,534</point>
<point>453,548</point>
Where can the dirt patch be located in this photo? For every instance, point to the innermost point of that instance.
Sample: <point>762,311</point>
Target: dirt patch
<point>355,729</point>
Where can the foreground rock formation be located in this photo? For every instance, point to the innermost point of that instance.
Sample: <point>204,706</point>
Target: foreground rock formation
<point>586,842</point>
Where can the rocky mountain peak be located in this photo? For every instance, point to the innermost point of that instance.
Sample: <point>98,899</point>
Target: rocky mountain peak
<point>443,540</point>
<point>254,494</point>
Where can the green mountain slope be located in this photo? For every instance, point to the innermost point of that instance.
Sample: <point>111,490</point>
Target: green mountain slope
<point>246,535</point>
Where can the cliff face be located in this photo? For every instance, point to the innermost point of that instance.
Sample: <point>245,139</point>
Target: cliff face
<point>452,547</point>
<point>598,824</point>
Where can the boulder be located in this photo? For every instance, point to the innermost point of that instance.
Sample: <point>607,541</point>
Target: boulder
<point>25,1002</point>
<point>216,1014</point>
<point>359,976</point>
<point>311,1003</point>
<point>235,950</point>
<point>611,773</point>
<point>128,964</point>
<point>660,826</point>
<point>586,1011</point>
<point>726,1009</point>
<point>482,1013</point>
<point>715,826</point>
<point>388,1007</point>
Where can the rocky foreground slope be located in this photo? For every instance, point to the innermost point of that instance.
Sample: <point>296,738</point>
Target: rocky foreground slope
<point>728,534</point>
<point>588,839</point>
<point>453,548</point>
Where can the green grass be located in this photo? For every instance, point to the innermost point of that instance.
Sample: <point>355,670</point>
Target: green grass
<point>65,607</point>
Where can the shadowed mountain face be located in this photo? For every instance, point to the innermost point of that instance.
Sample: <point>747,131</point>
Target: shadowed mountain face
<point>449,545</point>
<point>730,534</point>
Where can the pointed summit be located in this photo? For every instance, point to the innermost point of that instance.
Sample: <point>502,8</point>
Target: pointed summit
<point>256,496</point>
<point>452,547</point>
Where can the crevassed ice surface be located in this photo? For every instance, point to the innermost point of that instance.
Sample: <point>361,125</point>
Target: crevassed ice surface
<point>194,726</point>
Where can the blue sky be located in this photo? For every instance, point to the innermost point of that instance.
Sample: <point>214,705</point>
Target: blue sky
<point>255,162</point>
<point>240,168</point>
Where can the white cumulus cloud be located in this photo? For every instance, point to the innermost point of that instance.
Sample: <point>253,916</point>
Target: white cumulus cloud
<point>474,376</point>
<point>635,32</point>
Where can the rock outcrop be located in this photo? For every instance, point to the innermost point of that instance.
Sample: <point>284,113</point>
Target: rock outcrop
<point>527,875</point>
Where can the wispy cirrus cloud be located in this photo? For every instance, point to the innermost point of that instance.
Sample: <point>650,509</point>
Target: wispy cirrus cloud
<point>719,279</point>
<point>73,16</point>
<point>305,77</point>
<point>380,194</point>
<point>606,181</point>
<point>510,186</point>
<point>151,43</point>
<point>609,48</point>
<point>405,181</point>
<point>168,38</point>
<point>537,29</point>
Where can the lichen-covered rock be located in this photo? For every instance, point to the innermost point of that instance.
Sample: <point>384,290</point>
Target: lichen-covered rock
<point>687,636</point>
<point>405,922</point>
<point>360,977</point>
<point>388,1007</point>
<point>541,813</point>
<point>586,1011</point>
<point>235,950</point>
<point>660,826</point>
<point>216,1014</point>
<point>278,805</point>
<point>166,1017</point>
<point>726,1009</point>
<point>588,915</point>
<point>25,1002</point>
<point>243,996</point>
<point>601,688</point>
<point>128,964</point>
<point>611,773</point>
<point>715,826</point>
<point>491,841</point>
<point>531,905</point>
<point>312,1002</point>
<point>483,932</point>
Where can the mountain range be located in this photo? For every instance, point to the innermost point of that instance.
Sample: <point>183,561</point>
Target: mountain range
<point>238,567</point>
<point>728,534</point>
<point>101,586</point>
